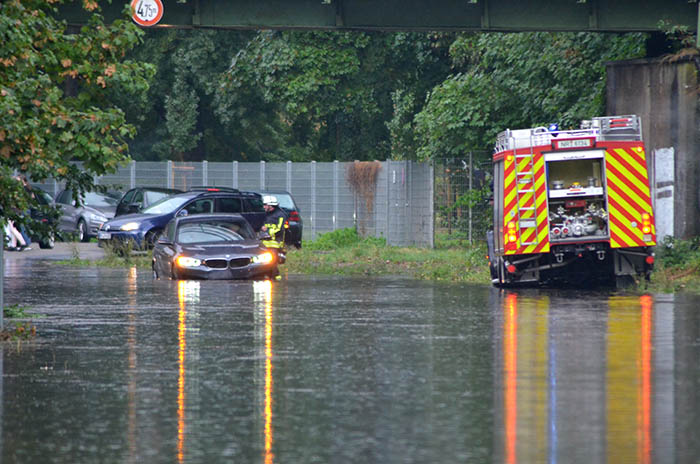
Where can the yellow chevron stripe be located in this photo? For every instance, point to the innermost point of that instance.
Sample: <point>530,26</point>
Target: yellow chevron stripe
<point>630,177</point>
<point>523,164</point>
<point>624,205</point>
<point>641,167</point>
<point>633,195</point>
<point>626,239</point>
<point>526,198</point>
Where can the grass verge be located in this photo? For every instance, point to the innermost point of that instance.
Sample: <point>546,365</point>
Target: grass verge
<point>343,252</point>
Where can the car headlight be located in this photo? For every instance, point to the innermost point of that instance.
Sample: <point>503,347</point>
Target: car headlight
<point>264,258</point>
<point>130,226</point>
<point>97,217</point>
<point>186,261</point>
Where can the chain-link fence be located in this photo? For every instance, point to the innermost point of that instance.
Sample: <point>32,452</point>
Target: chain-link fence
<point>400,208</point>
<point>463,197</point>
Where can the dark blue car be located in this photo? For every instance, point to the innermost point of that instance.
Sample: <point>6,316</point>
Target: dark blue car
<point>142,230</point>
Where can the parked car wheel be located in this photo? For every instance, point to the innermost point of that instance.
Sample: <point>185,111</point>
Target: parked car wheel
<point>48,243</point>
<point>82,231</point>
<point>151,238</point>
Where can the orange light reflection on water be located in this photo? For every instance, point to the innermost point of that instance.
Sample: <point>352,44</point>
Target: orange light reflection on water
<point>264,289</point>
<point>510,373</point>
<point>131,341</point>
<point>644,439</point>
<point>182,347</point>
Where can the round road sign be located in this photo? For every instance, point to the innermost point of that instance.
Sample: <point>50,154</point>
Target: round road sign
<point>146,12</point>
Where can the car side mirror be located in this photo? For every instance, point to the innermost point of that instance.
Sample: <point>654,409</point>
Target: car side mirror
<point>134,207</point>
<point>164,241</point>
<point>182,212</point>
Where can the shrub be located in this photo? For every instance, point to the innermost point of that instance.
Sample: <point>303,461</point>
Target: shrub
<point>341,238</point>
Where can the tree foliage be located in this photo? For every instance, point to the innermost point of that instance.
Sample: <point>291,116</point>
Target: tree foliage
<point>310,95</point>
<point>333,90</point>
<point>518,80</point>
<point>54,97</point>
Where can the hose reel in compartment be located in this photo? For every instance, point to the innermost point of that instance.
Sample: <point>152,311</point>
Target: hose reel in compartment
<point>580,218</point>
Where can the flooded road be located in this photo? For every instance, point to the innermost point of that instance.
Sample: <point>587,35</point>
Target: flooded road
<point>325,369</point>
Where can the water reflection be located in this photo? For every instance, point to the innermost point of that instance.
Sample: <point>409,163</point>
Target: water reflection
<point>319,369</point>
<point>563,379</point>
<point>263,305</point>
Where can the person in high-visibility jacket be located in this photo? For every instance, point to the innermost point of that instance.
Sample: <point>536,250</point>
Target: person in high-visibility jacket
<point>275,226</point>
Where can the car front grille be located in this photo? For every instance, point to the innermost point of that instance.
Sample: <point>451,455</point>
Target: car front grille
<point>239,262</point>
<point>218,263</point>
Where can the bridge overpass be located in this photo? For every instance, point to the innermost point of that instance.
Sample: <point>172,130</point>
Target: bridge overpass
<point>416,15</point>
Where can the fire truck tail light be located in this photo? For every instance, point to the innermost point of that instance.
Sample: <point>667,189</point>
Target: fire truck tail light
<point>512,235</point>
<point>650,260</point>
<point>511,268</point>
<point>646,223</point>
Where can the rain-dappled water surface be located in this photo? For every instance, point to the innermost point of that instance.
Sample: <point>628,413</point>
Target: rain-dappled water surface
<point>329,369</point>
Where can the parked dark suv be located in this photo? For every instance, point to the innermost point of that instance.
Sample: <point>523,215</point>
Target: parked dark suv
<point>137,199</point>
<point>142,229</point>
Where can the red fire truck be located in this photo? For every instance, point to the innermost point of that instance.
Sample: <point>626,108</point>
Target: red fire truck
<point>572,205</point>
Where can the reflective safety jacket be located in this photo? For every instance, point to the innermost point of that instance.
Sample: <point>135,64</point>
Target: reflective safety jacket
<point>275,222</point>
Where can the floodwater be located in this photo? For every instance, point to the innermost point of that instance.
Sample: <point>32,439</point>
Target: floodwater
<point>327,369</point>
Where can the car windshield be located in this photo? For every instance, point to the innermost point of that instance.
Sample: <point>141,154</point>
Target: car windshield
<point>155,195</point>
<point>285,200</point>
<point>212,232</point>
<point>97,199</point>
<point>166,205</point>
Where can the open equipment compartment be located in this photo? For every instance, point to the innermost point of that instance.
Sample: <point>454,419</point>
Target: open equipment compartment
<point>576,195</point>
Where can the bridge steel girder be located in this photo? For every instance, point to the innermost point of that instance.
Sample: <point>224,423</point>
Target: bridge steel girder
<point>475,15</point>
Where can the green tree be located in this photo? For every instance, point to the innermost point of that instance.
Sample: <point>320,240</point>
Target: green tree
<point>333,90</point>
<point>54,105</point>
<point>518,80</point>
<point>183,117</point>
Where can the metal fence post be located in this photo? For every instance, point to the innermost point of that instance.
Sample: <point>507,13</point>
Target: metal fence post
<point>132,174</point>
<point>410,240</point>
<point>313,200</point>
<point>262,175</point>
<point>205,172</point>
<point>431,205</point>
<point>169,173</point>
<point>471,175</point>
<point>2,277</point>
<point>234,174</point>
<point>289,176</point>
<point>388,200</point>
<point>336,165</point>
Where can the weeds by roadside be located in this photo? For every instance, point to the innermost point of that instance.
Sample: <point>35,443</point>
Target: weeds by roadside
<point>17,331</point>
<point>677,266</point>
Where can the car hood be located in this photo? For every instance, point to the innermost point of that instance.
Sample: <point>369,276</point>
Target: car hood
<point>245,248</point>
<point>126,218</point>
<point>104,210</point>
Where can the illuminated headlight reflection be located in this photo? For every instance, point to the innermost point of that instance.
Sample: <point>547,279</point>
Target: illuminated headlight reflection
<point>264,258</point>
<point>130,226</point>
<point>186,261</point>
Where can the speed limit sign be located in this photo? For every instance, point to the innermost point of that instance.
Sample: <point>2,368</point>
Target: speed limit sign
<point>146,12</point>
